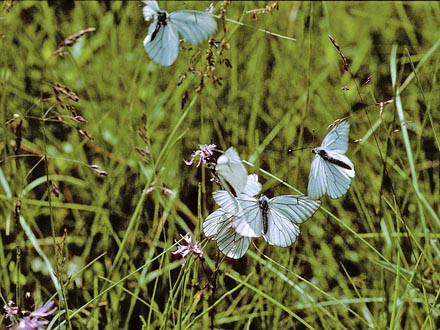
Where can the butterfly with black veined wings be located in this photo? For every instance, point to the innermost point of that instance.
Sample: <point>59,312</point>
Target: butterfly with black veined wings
<point>219,226</point>
<point>275,219</point>
<point>162,41</point>
<point>331,170</point>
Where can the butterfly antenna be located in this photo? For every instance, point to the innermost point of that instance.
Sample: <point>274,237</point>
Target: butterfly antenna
<point>290,150</point>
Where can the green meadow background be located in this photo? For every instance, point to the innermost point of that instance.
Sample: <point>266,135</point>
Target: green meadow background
<point>85,216</point>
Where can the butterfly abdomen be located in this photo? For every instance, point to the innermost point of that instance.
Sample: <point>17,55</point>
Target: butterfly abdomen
<point>263,204</point>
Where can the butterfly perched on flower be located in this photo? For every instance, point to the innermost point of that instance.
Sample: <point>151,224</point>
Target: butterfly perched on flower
<point>162,41</point>
<point>331,170</point>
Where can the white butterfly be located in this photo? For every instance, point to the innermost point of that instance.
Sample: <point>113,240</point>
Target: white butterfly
<point>219,226</point>
<point>162,41</point>
<point>275,219</point>
<point>331,170</point>
<point>230,171</point>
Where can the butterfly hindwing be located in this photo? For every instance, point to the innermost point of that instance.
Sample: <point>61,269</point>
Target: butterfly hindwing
<point>163,49</point>
<point>218,226</point>
<point>281,231</point>
<point>317,178</point>
<point>338,178</point>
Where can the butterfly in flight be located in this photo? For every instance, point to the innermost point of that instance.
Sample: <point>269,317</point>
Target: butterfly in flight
<point>162,41</point>
<point>331,170</point>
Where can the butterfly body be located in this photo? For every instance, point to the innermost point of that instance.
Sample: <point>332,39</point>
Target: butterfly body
<point>263,204</point>
<point>327,156</point>
<point>161,23</point>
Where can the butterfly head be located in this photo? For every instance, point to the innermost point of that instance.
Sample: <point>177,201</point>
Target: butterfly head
<point>318,151</point>
<point>162,17</point>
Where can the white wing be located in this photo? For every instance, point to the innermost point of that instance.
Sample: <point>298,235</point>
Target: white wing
<point>231,171</point>
<point>249,221</point>
<point>195,26</point>
<point>227,201</point>
<point>284,213</point>
<point>164,47</point>
<point>331,170</point>
<point>244,207</point>
<point>317,186</point>
<point>296,208</point>
<point>337,138</point>
<point>218,226</point>
<point>150,10</point>
<point>280,230</point>
<point>252,187</point>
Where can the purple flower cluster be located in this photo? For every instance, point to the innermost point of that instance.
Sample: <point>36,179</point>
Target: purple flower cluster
<point>205,154</point>
<point>25,320</point>
<point>190,247</point>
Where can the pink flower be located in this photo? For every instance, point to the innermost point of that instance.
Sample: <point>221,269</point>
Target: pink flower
<point>190,247</point>
<point>30,321</point>
<point>205,155</point>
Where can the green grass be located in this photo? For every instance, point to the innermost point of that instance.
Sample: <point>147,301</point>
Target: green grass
<point>102,247</point>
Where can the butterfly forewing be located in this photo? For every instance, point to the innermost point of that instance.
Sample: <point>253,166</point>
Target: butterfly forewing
<point>226,201</point>
<point>150,10</point>
<point>296,208</point>
<point>337,138</point>
<point>195,26</point>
